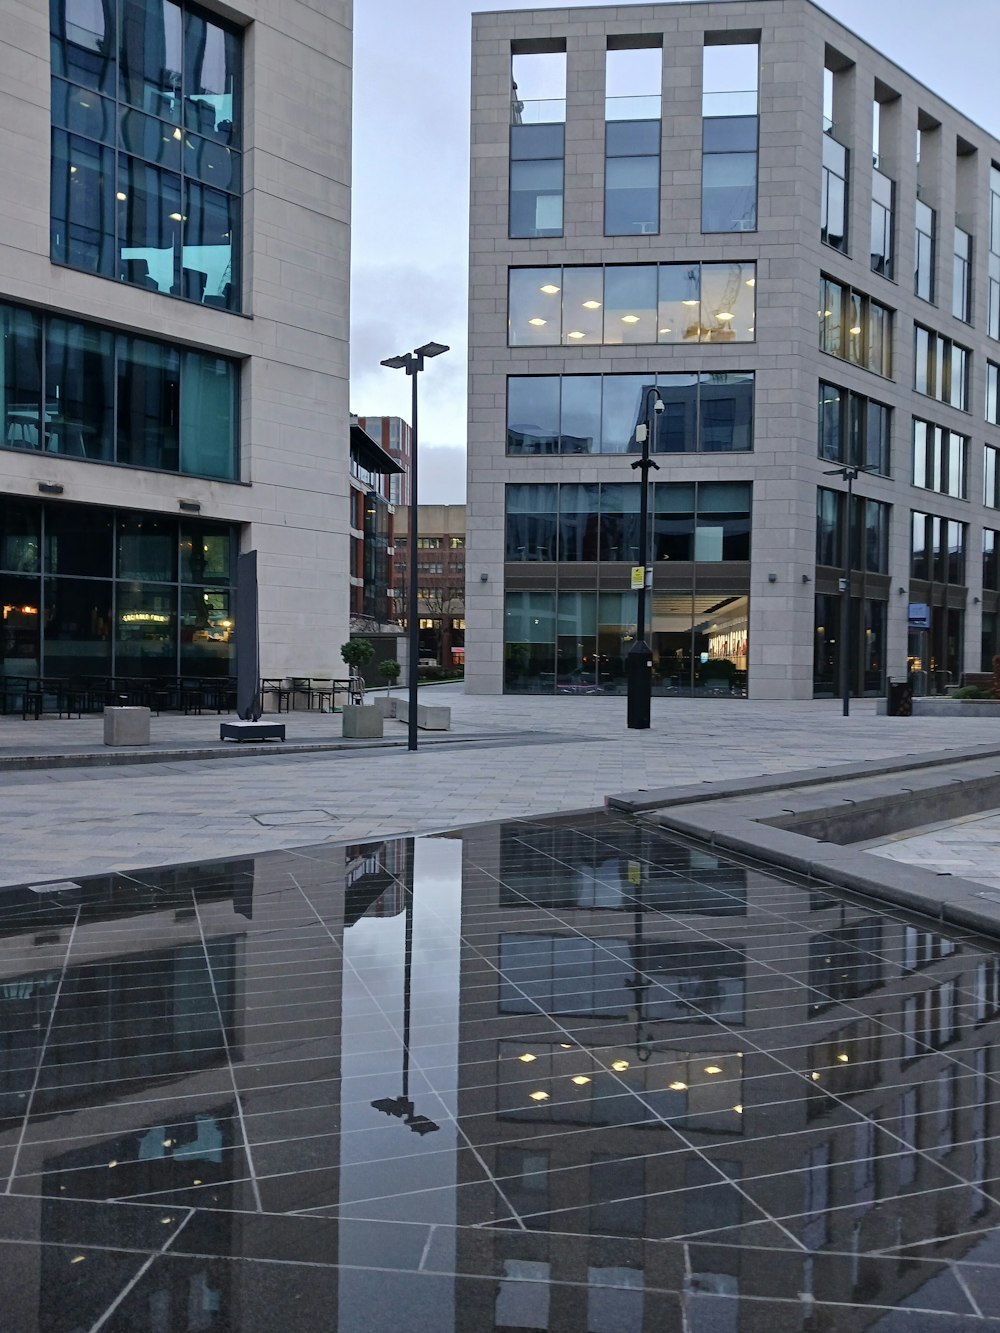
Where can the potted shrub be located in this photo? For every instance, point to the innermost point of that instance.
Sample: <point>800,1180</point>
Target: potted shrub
<point>361,720</point>
<point>389,671</point>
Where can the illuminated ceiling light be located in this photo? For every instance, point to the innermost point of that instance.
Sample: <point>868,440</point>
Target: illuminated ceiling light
<point>576,334</point>
<point>666,330</point>
<point>630,319</point>
<point>166,1220</point>
<point>751,282</point>
<point>527,1057</point>
<point>537,322</point>
<point>827,314</point>
<point>78,1258</point>
<point>713,1069</point>
<point>815,1076</point>
<point>565,1046</point>
<point>619,1065</point>
<point>72,171</point>
<point>178,217</point>
<point>855,331</point>
<point>738,1109</point>
<point>751,329</point>
<point>85,105</point>
<point>539,1096</point>
<point>121,196</point>
<point>677,1086</point>
<point>725,315</point>
<point>549,289</point>
<point>689,303</point>
<point>580,1080</point>
<point>195,1182</point>
<point>111,1165</point>
<point>591,305</point>
<point>168,1143</point>
<point>177,134</point>
<point>844,1059</point>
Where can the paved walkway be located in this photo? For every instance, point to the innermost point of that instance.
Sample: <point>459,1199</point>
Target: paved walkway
<point>506,758</point>
<point>969,847</point>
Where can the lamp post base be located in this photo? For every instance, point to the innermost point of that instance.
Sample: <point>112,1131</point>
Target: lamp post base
<point>639,676</point>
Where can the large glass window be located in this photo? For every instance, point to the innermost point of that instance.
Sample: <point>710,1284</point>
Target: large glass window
<point>882,256</point>
<point>939,459</point>
<point>991,560</point>
<point>993,274</point>
<point>80,391</point>
<point>833,205</point>
<point>632,178</point>
<point>853,429</point>
<point>537,156</point>
<point>869,537</point>
<point>991,477</point>
<point>941,368</point>
<point>729,137</point>
<point>993,393</point>
<point>532,522</point>
<point>632,303</point>
<point>854,327</point>
<point>923,280</point>
<point>574,414</point>
<point>961,283</point>
<point>131,169</point>
<point>937,549</point>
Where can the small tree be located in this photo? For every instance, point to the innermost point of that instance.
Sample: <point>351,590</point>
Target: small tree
<point>390,670</point>
<point>356,652</point>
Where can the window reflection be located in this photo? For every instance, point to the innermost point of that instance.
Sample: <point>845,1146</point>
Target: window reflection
<point>148,404</point>
<point>82,182</point>
<point>149,225</point>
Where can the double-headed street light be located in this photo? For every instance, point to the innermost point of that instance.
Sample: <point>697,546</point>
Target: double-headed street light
<point>850,474</point>
<point>413,364</point>
<point>638,663</point>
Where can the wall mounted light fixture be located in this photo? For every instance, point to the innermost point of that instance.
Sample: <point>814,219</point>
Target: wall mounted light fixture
<point>50,488</point>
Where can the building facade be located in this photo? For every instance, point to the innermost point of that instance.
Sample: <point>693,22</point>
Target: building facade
<point>396,437</point>
<point>441,575</point>
<point>174,257</point>
<point>373,472</point>
<point>742,227</point>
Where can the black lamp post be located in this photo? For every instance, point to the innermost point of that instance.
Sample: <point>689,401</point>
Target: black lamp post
<point>638,664</point>
<point>413,364</point>
<point>849,473</point>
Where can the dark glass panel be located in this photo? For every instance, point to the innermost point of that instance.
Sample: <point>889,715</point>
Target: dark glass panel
<point>79,540</point>
<point>207,553</point>
<point>723,531</point>
<point>632,196</point>
<point>533,414</point>
<point>676,429</point>
<point>580,417</point>
<point>83,111</point>
<point>673,521</point>
<point>83,41</point>
<point>531,522</point>
<point>630,303</point>
<point>726,413</point>
<point>826,661</point>
<point>991,569</point>
<point>208,641</point>
<point>212,162</point>
<point>151,56</point>
<point>729,192</point>
<point>149,225</point>
<point>537,142</point>
<point>578,521</point>
<point>632,138</point>
<point>20,377</point>
<point>536,198</point>
<point>576,642</point>
<point>147,548</point>
<point>77,627</point>
<point>212,76</point>
<point>20,534</point>
<point>678,315</point>
<point>82,204</point>
<point>529,643</point>
<point>20,621</point>
<point>877,439</point>
<point>830,399</point>
<point>873,646</point>
<point>920,562</point>
<point>828,527</point>
<point>154,140</point>
<point>148,404</point>
<point>146,631</point>
<point>211,236</point>
<point>620,412</point>
<point>619,524</point>
<point>79,390</point>
<point>208,415</point>
<point>729,134</point>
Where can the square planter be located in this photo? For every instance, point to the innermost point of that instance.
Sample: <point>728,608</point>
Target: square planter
<point>126,726</point>
<point>362,722</point>
<point>386,706</point>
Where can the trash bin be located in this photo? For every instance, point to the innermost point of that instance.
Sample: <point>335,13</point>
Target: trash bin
<point>900,699</point>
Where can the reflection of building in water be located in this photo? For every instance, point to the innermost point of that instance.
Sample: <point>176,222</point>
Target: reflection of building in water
<point>813,1062</point>
<point>376,879</point>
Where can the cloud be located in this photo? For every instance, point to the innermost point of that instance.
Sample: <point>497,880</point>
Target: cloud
<point>442,475</point>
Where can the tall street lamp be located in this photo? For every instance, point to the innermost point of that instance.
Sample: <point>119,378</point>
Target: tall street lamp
<point>413,364</point>
<point>638,664</point>
<point>850,474</point>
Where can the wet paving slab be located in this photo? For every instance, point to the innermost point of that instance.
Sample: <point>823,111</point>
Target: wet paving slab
<point>566,1074</point>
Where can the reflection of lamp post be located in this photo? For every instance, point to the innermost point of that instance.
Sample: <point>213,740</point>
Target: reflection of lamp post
<point>638,664</point>
<point>639,983</point>
<point>401,1107</point>
<point>849,473</point>
<point>413,364</point>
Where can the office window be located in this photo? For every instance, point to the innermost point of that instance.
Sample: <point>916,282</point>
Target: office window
<point>923,279</point>
<point>583,414</point>
<point>632,303</point>
<point>937,549</point>
<point>538,87</point>
<point>729,138</point>
<point>75,389</point>
<point>993,274</point>
<point>632,177</point>
<point>991,477</point>
<point>993,393</point>
<point>991,569</point>
<point>869,536</point>
<point>882,253</point>
<point>145,169</point>
<point>961,281</point>
<point>939,459</point>
<point>537,156</point>
<point>853,429</point>
<point>940,368</point>
<point>854,327</point>
<point>834,201</point>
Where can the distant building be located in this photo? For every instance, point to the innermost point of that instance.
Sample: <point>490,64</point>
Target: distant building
<point>373,608</point>
<point>441,574</point>
<point>396,438</point>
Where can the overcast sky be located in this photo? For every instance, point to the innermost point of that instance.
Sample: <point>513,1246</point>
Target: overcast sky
<point>411,183</point>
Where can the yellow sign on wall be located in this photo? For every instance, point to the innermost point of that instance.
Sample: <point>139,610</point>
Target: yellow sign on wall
<point>638,577</point>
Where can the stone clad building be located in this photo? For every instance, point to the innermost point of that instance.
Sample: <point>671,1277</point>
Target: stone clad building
<point>743,212</point>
